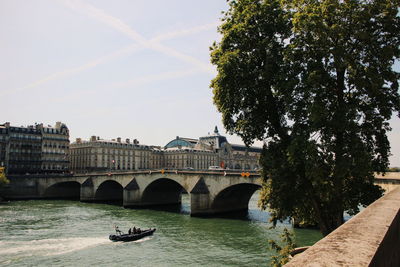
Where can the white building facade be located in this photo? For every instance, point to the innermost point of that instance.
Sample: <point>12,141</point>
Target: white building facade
<point>97,155</point>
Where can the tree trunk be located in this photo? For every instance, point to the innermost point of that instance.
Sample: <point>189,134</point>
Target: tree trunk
<point>329,218</point>
<point>331,214</point>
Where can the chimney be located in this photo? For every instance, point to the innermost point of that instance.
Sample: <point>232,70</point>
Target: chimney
<point>128,141</point>
<point>58,125</point>
<point>119,139</point>
<point>78,140</point>
<point>93,138</point>
<point>98,137</point>
<point>7,124</point>
<point>135,141</point>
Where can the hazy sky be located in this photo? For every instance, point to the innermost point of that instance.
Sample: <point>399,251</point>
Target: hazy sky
<point>129,68</point>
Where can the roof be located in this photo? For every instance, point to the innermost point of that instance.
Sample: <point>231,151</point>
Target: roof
<point>191,140</point>
<point>181,142</point>
<point>245,148</point>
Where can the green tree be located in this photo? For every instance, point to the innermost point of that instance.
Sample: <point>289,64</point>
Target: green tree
<point>313,80</point>
<point>3,178</point>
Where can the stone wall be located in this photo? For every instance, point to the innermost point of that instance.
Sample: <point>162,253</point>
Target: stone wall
<point>371,238</point>
<point>389,181</point>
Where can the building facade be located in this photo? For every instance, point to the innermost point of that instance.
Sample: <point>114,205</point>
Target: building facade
<point>55,148</point>
<point>3,144</point>
<point>157,160</point>
<point>212,150</point>
<point>186,158</point>
<point>98,155</point>
<point>26,150</point>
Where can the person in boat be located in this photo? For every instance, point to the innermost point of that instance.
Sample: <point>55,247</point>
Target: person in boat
<point>134,230</point>
<point>117,230</point>
<point>139,231</point>
<point>129,231</point>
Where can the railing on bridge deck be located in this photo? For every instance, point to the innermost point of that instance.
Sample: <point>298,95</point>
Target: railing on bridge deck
<point>177,171</point>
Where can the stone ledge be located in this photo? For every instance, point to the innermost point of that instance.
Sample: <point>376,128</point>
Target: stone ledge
<point>388,175</point>
<point>371,238</point>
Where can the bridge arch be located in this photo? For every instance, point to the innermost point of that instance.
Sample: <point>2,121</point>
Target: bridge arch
<point>109,191</point>
<point>63,190</point>
<point>234,198</point>
<point>163,191</point>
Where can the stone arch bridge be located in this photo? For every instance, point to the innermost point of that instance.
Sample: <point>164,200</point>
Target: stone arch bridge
<point>211,192</point>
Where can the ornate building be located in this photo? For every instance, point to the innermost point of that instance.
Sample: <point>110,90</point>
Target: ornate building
<point>97,155</point>
<point>211,150</point>
<point>34,149</point>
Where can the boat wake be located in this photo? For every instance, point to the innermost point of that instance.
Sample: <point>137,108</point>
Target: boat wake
<point>49,247</point>
<point>143,239</point>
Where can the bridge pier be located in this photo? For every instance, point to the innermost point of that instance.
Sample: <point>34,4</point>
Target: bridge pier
<point>200,205</point>
<point>200,199</point>
<point>132,195</point>
<point>203,205</point>
<point>88,193</point>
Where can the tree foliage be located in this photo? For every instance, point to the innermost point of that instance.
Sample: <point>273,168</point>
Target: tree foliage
<point>3,178</point>
<point>283,252</point>
<point>314,80</point>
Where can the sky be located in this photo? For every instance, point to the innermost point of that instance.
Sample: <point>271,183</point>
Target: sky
<point>122,68</point>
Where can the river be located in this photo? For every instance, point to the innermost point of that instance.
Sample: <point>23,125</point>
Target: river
<point>71,233</point>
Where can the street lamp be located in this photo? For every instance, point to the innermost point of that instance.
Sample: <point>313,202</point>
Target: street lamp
<point>112,162</point>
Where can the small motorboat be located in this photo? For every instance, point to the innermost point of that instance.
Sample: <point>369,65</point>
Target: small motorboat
<point>132,236</point>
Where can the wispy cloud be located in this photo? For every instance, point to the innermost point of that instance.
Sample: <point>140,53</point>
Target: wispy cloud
<point>141,43</point>
<point>68,72</point>
<point>120,26</point>
<point>153,78</point>
<point>140,81</point>
<point>100,15</point>
<point>183,32</point>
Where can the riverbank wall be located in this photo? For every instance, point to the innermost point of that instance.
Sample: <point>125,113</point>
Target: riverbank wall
<point>371,238</point>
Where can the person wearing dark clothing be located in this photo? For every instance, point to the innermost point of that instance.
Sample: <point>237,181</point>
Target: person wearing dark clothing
<point>117,230</point>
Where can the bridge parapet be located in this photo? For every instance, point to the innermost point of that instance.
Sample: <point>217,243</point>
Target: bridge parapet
<point>229,173</point>
<point>388,181</point>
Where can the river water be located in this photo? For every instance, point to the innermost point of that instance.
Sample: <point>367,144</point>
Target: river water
<point>71,233</point>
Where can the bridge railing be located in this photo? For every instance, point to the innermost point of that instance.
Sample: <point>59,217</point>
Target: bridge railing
<point>177,171</point>
<point>43,175</point>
